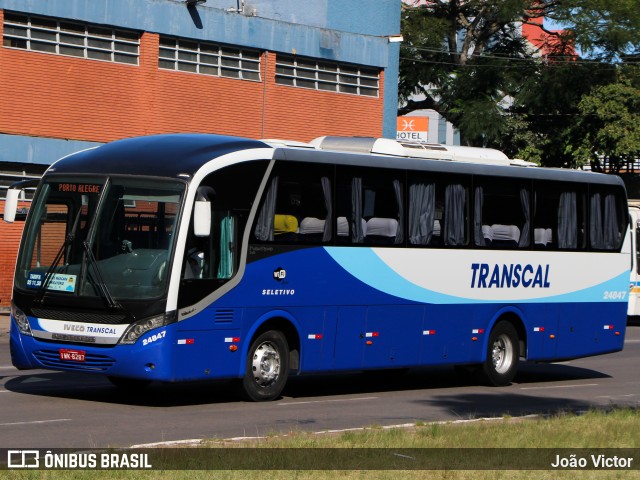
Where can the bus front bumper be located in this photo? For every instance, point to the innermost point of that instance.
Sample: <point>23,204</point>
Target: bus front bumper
<point>148,360</point>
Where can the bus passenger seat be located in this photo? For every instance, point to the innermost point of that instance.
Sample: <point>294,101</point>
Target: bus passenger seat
<point>285,224</point>
<point>285,228</point>
<point>487,233</point>
<point>542,236</point>
<point>436,235</point>
<point>505,235</point>
<point>382,230</point>
<point>436,228</point>
<point>311,229</point>
<point>385,227</point>
<point>437,231</point>
<point>343,227</point>
<point>310,225</point>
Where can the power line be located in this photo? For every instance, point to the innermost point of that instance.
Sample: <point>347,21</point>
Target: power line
<point>548,63</point>
<point>550,58</point>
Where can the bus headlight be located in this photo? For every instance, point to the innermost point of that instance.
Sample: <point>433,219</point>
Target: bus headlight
<point>22,321</point>
<point>137,329</point>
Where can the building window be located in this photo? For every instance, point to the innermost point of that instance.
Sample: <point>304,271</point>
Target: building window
<point>209,59</point>
<point>73,39</point>
<point>329,76</point>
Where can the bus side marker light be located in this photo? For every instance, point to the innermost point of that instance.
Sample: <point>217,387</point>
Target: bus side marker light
<point>429,332</point>
<point>186,341</point>
<point>552,337</point>
<point>233,348</point>
<point>618,334</point>
<point>538,329</point>
<point>474,339</point>
<point>478,331</point>
<point>372,334</point>
<point>369,342</point>
<point>608,327</point>
<point>315,336</point>
<point>232,340</point>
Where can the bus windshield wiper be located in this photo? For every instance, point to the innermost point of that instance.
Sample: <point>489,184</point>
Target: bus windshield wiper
<point>101,284</point>
<point>50,271</point>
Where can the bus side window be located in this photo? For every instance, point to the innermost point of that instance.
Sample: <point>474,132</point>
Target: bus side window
<point>438,211</point>
<point>424,226</point>
<point>607,219</point>
<point>370,207</point>
<point>383,210</point>
<point>558,219</point>
<point>456,201</point>
<point>194,263</point>
<point>198,256</point>
<point>502,214</point>
<point>545,219</point>
<point>296,206</point>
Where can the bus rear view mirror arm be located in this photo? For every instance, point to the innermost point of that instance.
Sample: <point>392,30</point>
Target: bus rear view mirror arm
<point>13,195</point>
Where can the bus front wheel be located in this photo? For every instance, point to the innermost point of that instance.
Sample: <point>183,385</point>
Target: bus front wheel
<point>503,355</point>
<point>267,367</point>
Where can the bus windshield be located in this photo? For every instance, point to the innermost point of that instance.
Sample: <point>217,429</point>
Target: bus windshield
<point>100,237</point>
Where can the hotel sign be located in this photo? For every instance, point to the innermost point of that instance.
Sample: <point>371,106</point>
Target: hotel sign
<point>412,128</point>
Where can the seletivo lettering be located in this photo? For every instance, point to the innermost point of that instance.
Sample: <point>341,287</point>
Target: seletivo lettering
<point>278,292</point>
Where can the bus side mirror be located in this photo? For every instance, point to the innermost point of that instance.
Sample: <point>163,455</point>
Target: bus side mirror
<point>11,205</point>
<point>202,218</point>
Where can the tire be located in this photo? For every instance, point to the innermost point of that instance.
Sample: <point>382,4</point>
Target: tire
<point>267,367</point>
<point>503,355</point>
<point>129,383</point>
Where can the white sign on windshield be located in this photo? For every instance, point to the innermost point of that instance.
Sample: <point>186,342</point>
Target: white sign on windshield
<point>62,283</point>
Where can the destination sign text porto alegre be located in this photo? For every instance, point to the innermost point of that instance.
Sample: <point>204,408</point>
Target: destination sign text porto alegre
<point>79,188</point>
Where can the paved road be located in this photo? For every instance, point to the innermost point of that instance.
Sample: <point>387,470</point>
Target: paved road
<point>40,409</point>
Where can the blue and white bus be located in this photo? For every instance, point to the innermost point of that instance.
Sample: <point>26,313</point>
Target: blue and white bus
<point>633,313</point>
<point>190,257</point>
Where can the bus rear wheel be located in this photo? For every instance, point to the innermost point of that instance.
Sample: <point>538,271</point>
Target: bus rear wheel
<point>267,367</point>
<point>503,355</point>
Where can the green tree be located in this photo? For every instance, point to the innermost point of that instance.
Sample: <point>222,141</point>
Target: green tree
<point>540,124</point>
<point>468,61</point>
<point>455,59</point>
<point>610,125</point>
<point>601,29</point>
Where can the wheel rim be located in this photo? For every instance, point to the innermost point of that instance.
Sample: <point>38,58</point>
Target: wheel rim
<point>266,364</point>
<point>502,353</point>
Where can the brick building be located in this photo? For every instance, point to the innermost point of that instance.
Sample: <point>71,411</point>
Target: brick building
<point>77,73</point>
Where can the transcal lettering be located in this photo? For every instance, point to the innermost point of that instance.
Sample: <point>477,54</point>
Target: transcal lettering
<point>513,275</point>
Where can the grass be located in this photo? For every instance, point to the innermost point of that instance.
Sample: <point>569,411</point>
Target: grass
<point>616,429</point>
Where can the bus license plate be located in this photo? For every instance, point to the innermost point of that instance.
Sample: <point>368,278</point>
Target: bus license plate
<point>72,355</point>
